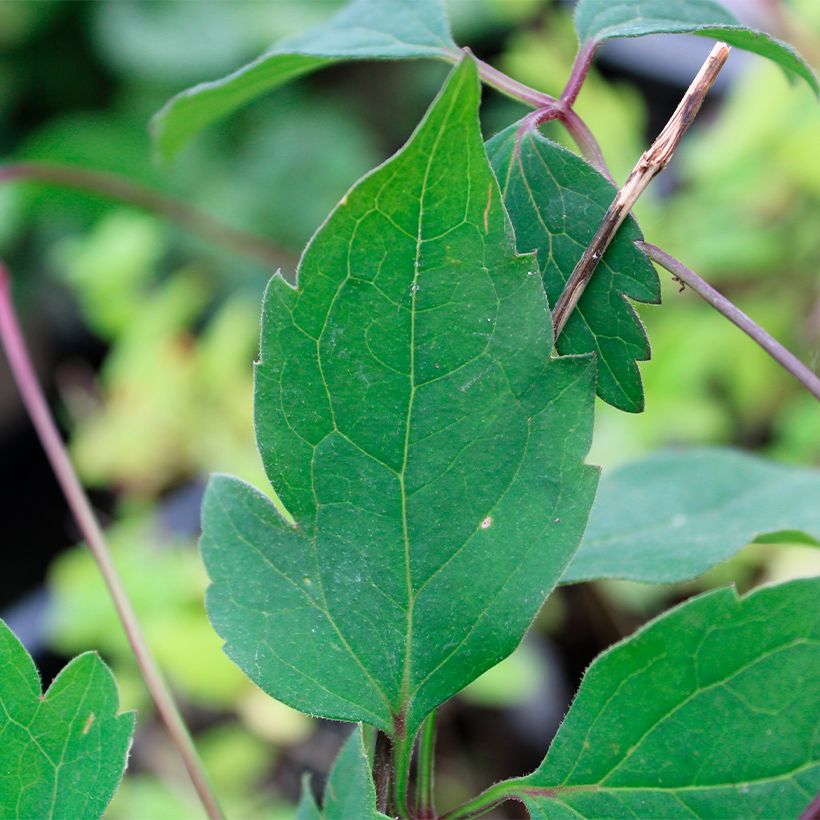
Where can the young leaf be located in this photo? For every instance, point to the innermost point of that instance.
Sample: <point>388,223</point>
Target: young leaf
<point>709,711</point>
<point>673,515</point>
<point>556,202</point>
<point>362,30</point>
<point>598,20</point>
<point>62,754</point>
<point>412,422</point>
<point>349,791</point>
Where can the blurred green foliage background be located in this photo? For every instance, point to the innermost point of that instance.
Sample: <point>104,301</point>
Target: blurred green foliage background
<point>157,392</point>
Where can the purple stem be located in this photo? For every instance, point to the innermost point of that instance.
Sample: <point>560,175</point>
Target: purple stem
<point>580,67</point>
<point>584,139</point>
<point>735,315</point>
<point>512,88</point>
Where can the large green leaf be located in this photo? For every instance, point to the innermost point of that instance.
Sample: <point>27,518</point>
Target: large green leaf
<point>62,754</point>
<point>349,791</point>
<point>428,448</point>
<point>362,30</point>
<point>673,515</point>
<point>598,20</point>
<point>709,711</point>
<point>556,202</point>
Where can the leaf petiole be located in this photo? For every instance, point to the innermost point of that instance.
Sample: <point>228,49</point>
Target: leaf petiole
<point>425,806</point>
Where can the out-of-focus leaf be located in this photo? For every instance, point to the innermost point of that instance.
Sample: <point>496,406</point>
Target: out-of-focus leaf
<point>428,449</point>
<point>62,754</point>
<point>556,202</point>
<point>709,711</point>
<point>363,30</point>
<point>673,515</point>
<point>598,20</point>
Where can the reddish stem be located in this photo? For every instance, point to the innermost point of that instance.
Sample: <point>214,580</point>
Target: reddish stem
<point>580,68</point>
<point>734,314</point>
<point>584,139</point>
<point>34,400</point>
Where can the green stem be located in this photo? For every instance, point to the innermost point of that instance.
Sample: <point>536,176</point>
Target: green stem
<point>486,801</point>
<point>402,756</point>
<point>425,805</point>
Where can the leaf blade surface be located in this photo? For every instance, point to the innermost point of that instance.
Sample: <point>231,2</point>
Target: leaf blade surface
<point>350,791</point>
<point>599,20</point>
<point>62,754</point>
<point>708,711</point>
<point>362,30</point>
<point>556,202</point>
<point>672,515</point>
<point>413,424</point>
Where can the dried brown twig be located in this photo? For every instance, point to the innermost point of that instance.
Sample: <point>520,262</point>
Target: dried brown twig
<point>651,163</point>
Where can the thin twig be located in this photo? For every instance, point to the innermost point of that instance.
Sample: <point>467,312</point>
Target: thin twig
<point>549,107</point>
<point>113,186</point>
<point>578,73</point>
<point>651,163</point>
<point>32,394</point>
<point>585,140</point>
<point>512,88</point>
<point>735,315</point>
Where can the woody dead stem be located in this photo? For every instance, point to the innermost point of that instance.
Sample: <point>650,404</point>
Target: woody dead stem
<point>651,163</point>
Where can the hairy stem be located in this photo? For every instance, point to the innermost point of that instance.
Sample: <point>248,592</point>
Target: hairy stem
<point>512,88</point>
<point>402,757</point>
<point>486,801</point>
<point>113,186</point>
<point>580,68</point>
<point>381,770</point>
<point>735,315</point>
<point>651,163</point>
<point>585,140</point>
<point>32,394</point>
<point>548,107</point>
<point>425,805</point>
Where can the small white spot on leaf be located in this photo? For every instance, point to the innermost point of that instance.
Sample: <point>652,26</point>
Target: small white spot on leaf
<point>487,523</point>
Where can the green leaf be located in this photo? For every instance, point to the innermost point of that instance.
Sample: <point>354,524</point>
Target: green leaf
<point>556,202</point>
<point>307,808</point>
<point>709,711</point>
<point>349,791</point>
<point>598,20</point>
<point>62,754</point>
<point>428,448</point>
<point>673,515</point>
<point>362,30</point>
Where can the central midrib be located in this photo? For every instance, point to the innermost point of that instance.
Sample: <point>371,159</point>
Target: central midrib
<point>405,685</point>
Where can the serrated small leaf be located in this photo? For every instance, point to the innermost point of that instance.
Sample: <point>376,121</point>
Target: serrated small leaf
<point>62,754</point>
<point>412,422</point>
<point>709,711</point>
<point>672,515</point>
<point>362,30</point>
<point>556,202</point>
<point>349,791</point>
<point>598,20</point>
